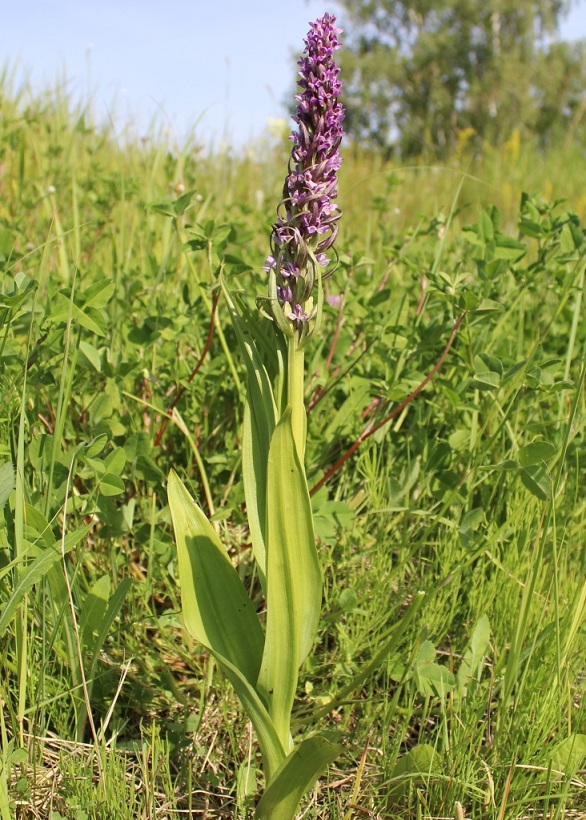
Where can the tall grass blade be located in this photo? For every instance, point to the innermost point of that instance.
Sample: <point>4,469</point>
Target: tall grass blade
<point>7,482</point>
<point>37,570</point>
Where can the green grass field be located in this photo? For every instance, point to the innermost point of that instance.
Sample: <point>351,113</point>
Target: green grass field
<point>452,540</point>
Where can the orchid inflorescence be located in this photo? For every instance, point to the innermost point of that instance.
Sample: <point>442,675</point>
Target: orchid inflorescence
<point>306,226</point>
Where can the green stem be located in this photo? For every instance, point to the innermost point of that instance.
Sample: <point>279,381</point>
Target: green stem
<point>295,394</point>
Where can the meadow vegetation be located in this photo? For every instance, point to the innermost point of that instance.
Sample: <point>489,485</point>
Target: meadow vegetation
<point>453,537</point>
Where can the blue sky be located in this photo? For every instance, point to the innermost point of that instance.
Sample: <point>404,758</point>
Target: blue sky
<point>223,66</point>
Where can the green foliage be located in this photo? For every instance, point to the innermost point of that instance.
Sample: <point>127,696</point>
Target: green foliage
<point>419,75</point>
<point>297,774</point>
<point>457,527</point>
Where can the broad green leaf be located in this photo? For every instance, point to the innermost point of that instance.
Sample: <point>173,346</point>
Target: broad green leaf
<point>297,774</point>
<point>96,446</point>
<point>436,679</point>
<point>536,453</point>
<point>294,586</point>
<point>91,354</point>
<point>271,748</point>
<point>474,654</point>
<point>259,422</point>
<point>256,434</point>
<point>99,294</point>
<point>216,609</point>
<point>508,248</point>
<point>94,607</point>
<point>111,484</point>
<point>350,408</point>
<point>537,480</point>
<point>91,319</point>
<point>7,482</point>
<point>417,766</point>
<point>115,461</point>
<point>484,362</point>
<point>530,228</point>
<point>471,520</point>
<point>94,320</point>
<point>569,755</point>
<point>568,242</point>
<point>488,306</point>
<point>432,678</point>
<point>486,380</point>
<point>182,202</point>
<point>164,208</point>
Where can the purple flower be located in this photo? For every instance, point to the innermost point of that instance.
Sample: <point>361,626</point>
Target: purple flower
<point>307,217</point>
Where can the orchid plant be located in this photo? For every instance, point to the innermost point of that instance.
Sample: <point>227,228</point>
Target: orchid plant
<point>262,658</point>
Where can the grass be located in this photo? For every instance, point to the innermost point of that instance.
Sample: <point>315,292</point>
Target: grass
<point>467,504</point>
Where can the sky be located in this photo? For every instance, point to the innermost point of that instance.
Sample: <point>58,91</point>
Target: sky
<point>221,67</point>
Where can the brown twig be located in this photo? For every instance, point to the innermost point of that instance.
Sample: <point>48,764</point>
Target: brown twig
<point>371,429</point>
<point>180,391</point>
<point>422,298</point>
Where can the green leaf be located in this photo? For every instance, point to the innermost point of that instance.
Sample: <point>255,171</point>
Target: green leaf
<point>7,482</point>
<point>164,208</point>
<point>489,362</point>
<point>94,607</point>
<point>99,294</point>
<point>417,766</point>
<point>472,520</point>
<point>92,319</point>
<point>537,481</point>
<point>536,453</point>
<point>487,380</point>
<point>294,585</point>
<point>432,678</point>
<point>111,484</point>
<point>569,755</point>
<point>91,354</point>
<point>508,248</point>
<point>219,614</point>
<point>469,524</point>
<point>259,422</point>
<point>296,775</point>
<point>567,243</point>
<point>256,436</point>
<point>103,627</point>
<point>182,202</point>
<point>216,608</point>
<point>246,781</point>
<point>95,446</point>
<point>271,748</point>
<point>115,461</point>
<point>530,228</point>
<point>221,233</point>
<point>474,655</point>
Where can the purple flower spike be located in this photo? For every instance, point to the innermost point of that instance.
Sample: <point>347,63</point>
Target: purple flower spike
<point>306,225</point>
